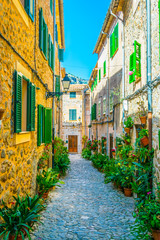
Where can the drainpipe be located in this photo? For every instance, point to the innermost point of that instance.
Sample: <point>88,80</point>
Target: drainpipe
<point>148,5</point>
<point>107,98</point>
<point>90,114</point>
<point>123,65</point>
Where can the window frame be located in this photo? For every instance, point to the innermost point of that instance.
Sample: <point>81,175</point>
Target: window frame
<point>27,4</point>
<point>71,114</point>
<point>73,97</point>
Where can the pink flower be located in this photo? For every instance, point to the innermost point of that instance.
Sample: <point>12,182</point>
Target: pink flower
<point>149,193</point>
<point>131,73</point>
<point>134,155</point>
<point>116,147</point>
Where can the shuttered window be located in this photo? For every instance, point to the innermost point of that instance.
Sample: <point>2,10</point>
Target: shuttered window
<point>104,68</point>
<point>104,105</point>
<point>94,112</point>
<point>51,6</point>
<point>51,53</point>
<point>24,110</point>
<point>44,126</point>
<point>56,33</point>
<point>135,63</point>
<point>72,114</point>
<point>99,74</point>
<point>111,101</point>
<point>61,54</point>
<point>29,7</point>
<point>43,34</point>
<point>114,41</point>
<point>99,108</point>
<point>72,94</point>
<point>96,81</point>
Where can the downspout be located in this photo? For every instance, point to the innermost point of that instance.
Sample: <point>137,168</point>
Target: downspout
<point>148,5</point>
<point>107,145</point>
<point>123,66</point>
<point>90,131</point>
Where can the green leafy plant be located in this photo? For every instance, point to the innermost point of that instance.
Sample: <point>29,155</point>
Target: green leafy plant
<point>99,161</point>
<point>86,153</point>
<point>47,179</point>
<point>143,133</point>
<point>128,123</point>
<point>19,218</point>
<point>126,138</point>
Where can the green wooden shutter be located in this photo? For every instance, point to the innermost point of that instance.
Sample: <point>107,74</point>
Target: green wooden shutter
<point>57,84</point>
<point>96,80</point>
<point>41,29</point>
<point>132,68</point>
<point>56,33</point>
<point>48,125</point>
<point>137,50</point>
<point>39,125</point>
<point>104,68</point>
<point>51,6</point>
<point>60,54</point>
<point>18,103</point>
<point>74,114</point>
<point>113,44</point>
<point>99,75</point>
<point>46,41</point>
<point>95,111</point>
<point>116,37</point>
<point>28,106</point>
<point>70,114</point>
<point>33,105</point>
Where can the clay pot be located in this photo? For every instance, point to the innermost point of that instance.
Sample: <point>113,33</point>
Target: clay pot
<point>127,192</point>
<point>156,234</point>
<point>1,113</point>
<point>114,154</point>
<point>145,141</point>
<point>143,119</point>
<point>127,130</point>
<point>11,237</point>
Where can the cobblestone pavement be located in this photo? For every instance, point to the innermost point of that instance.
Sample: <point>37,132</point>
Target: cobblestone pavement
<point>86,208</point>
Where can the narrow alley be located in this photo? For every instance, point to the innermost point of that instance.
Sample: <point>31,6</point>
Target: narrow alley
<point>86,208</point>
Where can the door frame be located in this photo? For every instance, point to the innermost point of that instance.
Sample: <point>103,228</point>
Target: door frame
<point>69,141</point>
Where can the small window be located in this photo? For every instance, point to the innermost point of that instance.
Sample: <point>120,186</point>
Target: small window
<point>72,114</point>
<point>111,101</point>
<point>72,94</point>
<point>51,6</point>
<point>99,108</point>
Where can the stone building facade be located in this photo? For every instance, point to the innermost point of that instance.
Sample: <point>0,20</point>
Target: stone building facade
<point>26,74</point>
<point>76,116</point>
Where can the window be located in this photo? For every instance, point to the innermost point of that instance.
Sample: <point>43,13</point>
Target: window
<point>51,53</point>
<point>114,41</point>
<point>44,130</point>
<point>104,68</point>
<point>29,7</point>
<point>43,34</point>
<point>72,94</point>
<point>99,108</point>
<point>60,54</point>
<point>94,112</point>
<point>24,111</point>
<point>99,75</point>
<point>56,33</point>
<point>135,63</point>
<point>111,96</point>
<point>104,105</point>
<point>72,114</point>
<point>51,6</point>
<point>92,88</point>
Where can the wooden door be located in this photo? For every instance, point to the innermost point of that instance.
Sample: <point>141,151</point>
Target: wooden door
<point>72,144</point>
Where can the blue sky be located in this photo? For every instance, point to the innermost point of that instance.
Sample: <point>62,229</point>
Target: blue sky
<point>83,20</point>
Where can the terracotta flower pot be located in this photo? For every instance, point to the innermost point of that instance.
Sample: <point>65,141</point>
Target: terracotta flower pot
<point>144,141</point>
<point>114,154</point>
<point>11,237</point>
<point>156,234</point>
<point>127,130</point>
<point>127,192</point>
<point>1,113</point>
<point>143,119</point>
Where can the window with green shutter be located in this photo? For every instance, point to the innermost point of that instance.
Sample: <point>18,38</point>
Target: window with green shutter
<point>72,114</point>
<point>29,7</point>
<point>72,94</point>
<point>51,6</point>
<point>24,110</point>
<point>135,63</point>
<point>114,41</point>
<point>96,81</point>
<point>48,125</point>
<point>60,54</point>
<point>57,87</point>
<point>43,34</point>
<point>56,33</point>
<point>99,108</point>
<point>99,75</point>
<point>104,68</point>
<point>104,105</point>
<point>51,53</point>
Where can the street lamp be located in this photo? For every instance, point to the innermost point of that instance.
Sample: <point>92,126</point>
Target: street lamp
<point>65,83</point>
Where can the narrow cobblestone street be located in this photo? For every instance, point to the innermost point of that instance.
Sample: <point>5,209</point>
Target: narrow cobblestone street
<point>86,208</point>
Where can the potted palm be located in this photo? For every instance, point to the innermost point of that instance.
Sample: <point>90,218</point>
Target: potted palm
<point>128,124</point>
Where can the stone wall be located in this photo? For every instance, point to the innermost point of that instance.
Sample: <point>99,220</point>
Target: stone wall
<point>19,50</point>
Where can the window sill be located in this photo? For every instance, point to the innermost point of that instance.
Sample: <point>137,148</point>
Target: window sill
<point>22,137</point>
<point>22,11</point>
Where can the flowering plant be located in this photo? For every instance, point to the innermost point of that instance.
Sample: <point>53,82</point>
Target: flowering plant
<point>113,150</point>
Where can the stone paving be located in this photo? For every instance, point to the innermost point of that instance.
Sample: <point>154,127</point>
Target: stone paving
<point>86,208</point>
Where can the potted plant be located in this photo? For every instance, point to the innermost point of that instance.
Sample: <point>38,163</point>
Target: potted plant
<point>47,180</point>
<point>143,135</point>
<point>113,152</point>
<point>127,179</point>
<point>142,113</point>
<point>128,124</point>
<point>19,218</point>
<point>126,138</point>
<point>1,113</point>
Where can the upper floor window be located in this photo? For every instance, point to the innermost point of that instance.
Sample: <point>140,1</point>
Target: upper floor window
<point>99,74</point>
<point>24,112</point>
<point>99,108</point>
<point>51,53</point>
<point>43,34</point>
<point>51,6</point>
<point>114,41</point>
<point>29,7</point>
<point>104,105</point>
<point>135,63</point>
<point>72,94</point>
<point>104,68</point>
<point>72,114</point>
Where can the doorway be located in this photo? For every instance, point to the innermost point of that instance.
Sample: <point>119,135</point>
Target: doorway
<point>72,144</point>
